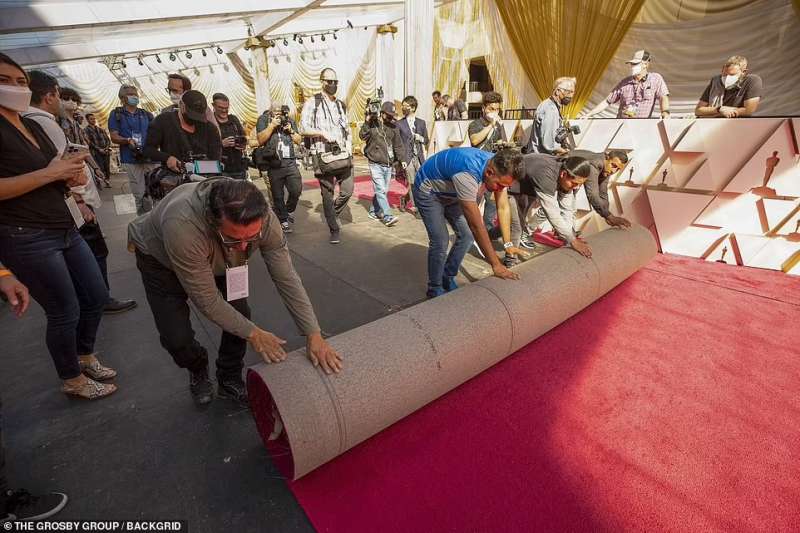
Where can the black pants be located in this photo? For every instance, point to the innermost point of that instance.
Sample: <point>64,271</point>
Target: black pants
<point>524,203</point>
<point>104,160</point>
<point>168,302</point>
<point>93,236</point>
<point>327,185</point>
<point>290,179</point>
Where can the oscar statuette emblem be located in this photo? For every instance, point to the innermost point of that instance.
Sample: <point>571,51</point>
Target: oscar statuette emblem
<point>629,181</point>
<point>663,183</point>
<point>764,191</point>
<point>722,257</point>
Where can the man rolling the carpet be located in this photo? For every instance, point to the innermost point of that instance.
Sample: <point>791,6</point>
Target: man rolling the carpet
<point>446,190</point>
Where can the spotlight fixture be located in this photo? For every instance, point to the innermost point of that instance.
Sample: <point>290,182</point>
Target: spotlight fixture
<point>312,38</point>
<point>196,71</point>
<point>172,56</point>
<point>365,28</point>
<point>141,63</point>
<point>323,37</point>
<point>349,24</point>
<point>203,51</point>
<point>158,58</point>
<point>300,40</point>
<point>188,54</point>
<point>334,36</point>
<point>294,38</point>
<point>285,42</point>
<point>124,65</point>
<point>219,50</point>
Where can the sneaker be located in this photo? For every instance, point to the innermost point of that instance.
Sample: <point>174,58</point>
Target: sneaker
<point>510,260</point>
<point>390,220</point>
<point>290,218</point>
<point>286,227</point>
<point>25,507</point>
<point>232,389</point>
<point>335,237</point>
<point>373,215</point>
<point>433,293</point>
<point>114,306</point>
<point>449,284</point>
<point>478,250</point>
<point>201,387</point>
<point>527,242</point>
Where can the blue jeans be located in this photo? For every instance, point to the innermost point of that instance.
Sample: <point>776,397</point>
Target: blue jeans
<point>381,176</point>
<point>443,266</point>
<point>62,275</point>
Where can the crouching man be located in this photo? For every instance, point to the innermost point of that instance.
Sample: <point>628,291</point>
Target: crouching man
<point>195,245</point>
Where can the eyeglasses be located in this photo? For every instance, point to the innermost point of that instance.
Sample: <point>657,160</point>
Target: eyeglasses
<point>230,243</point>
<point>71,99</point>
<point>330,81</point>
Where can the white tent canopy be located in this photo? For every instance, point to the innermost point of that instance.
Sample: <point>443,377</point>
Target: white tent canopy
<point>46,32</point>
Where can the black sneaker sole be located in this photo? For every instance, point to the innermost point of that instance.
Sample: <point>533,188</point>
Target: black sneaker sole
<point>121,310</point>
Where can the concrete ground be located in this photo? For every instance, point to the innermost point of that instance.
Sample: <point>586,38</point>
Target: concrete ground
<point>146,452</point>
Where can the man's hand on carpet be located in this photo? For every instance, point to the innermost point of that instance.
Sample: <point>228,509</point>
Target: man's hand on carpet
<point>580,246</point>
<point>618,222</point>
<point>502,272</point>
<point>519,252</point>
<point>268,345</point>
<point>321,354</point>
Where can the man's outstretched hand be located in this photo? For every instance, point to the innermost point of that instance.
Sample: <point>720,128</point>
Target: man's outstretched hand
<point>321,354</point>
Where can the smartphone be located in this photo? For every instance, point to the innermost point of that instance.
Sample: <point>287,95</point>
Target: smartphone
<point>240,141</point>
<point>72,150</point>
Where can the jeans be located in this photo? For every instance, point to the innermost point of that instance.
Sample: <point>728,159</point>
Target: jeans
<point>381,177</point>
<point>411,176</point>
<point>138,185</point>
<point>290,179</point>
<point>104,160</point>
<point>62,275</point>
<point>442,267</point>
<point>93,235</point>
<point>168,302</point>
<point>567,203</point>
<point>489,210</point>
<point>327,185</point>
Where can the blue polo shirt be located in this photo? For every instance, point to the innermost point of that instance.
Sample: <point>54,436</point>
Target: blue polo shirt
<point>126,124</point>
<point>453,174</point>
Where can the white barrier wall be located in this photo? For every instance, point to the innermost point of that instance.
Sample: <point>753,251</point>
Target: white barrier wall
<point>719,189</point>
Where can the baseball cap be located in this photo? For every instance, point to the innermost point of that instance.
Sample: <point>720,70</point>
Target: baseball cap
<point>638,57</point>
<point>388,108</point>
<point>196,105</point>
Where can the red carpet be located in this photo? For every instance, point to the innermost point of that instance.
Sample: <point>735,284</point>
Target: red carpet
<point>673,403</point>
<point>363,189</point>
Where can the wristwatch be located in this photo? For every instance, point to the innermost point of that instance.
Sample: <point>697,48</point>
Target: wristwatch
<point>508,245</point>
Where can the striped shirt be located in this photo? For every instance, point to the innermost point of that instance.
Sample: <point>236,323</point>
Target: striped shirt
<point>329,117</point>
<point>638,99</point>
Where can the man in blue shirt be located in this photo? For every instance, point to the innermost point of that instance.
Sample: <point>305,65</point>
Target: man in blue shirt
<point>128,127</point>
<point>446,190</point>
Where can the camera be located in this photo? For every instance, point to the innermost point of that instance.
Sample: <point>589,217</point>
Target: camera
<point>335,149</point>
<point>240,141</point>
<point>374,104</point>
<point>284,116</point>
<point>562,133</point>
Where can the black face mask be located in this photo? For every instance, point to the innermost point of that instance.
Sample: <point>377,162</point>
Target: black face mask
<point>330,87</point>
<point>189,121</point>
<point>566,100</point>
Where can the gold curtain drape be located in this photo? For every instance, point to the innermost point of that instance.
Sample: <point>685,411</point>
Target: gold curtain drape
<point>577,38</point>
<point>452,32</point>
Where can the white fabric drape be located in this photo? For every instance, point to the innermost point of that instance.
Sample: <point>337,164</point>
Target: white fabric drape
<point>688,54</point>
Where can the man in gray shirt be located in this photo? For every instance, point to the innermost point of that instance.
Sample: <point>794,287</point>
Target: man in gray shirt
<point>195,245</point>
<point>548,120</point>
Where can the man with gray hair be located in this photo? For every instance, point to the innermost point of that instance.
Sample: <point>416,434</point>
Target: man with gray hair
<point>128,127</point>
<point>548,120</point>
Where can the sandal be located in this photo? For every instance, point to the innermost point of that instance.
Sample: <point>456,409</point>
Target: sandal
<point>97,371</point>
<point>91,390</point>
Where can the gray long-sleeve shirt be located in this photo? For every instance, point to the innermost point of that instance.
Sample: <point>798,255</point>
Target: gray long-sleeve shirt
<point>546,122</point>
<point>541,180</point>
<point>177,234</point>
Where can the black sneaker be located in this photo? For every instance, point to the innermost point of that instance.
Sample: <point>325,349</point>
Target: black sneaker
<point>201,387</point>
<point>291,218</point>
<point>335,237</point>
<point>286,227</point>
<point>114,306</point>
<point>526,241</point>
<point>510,260</point>
<point>25,507</point>
<point>232,389</point>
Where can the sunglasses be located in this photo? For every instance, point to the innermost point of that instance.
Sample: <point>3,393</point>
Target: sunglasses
<point>230,243</point>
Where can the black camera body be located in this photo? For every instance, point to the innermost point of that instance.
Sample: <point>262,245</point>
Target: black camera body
<point>562,133</point>
<point>284,116</point>
<point>374,106</point>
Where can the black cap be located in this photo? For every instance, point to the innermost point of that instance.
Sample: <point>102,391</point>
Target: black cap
<point>388,108</point>
<point>196,105</point>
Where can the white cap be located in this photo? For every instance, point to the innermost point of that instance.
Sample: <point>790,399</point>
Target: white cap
<point>638,57</point>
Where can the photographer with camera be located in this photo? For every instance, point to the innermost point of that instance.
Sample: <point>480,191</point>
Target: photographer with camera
<point>234,140</point>
<point>277,154</point>
<point>384,148</point>
<point>324,121</point>
<point>185,137</point>
<point>128,125</point>
<point>550,131</point>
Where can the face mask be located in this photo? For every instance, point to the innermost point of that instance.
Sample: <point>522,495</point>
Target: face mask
<point>730,80</point>
<point>330,87</point>
<point>566,100</point>
<point>15,98</point>
<point>69,105</point>
<point>492,116</point>
<point>636,69</point>
<point>175,97</point>
<point>133,100</point>
<point>189,121</point>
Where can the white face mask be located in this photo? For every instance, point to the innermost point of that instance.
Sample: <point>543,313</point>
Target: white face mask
<point>730,80</point>
<point>16,98</point>
<point>175,97</point>
<point>636,69</point>
<point>69,105</point>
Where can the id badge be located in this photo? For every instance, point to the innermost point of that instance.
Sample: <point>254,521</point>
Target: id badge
<point>391,153</point>
<point>77,216</point>
<point>236,283</point>
<point>285,151</point>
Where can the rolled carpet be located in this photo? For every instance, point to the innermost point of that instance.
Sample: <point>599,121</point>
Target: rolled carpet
<point>398,364</point>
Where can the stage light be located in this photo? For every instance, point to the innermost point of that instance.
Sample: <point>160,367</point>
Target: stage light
<point>141,63</point>
<point>312,38</point>
<point>294,38</point>
<point>188,54</point>
<point>285,42</point>
<point>172,56</point>
<point>219,50</point>
<point>203,51</point>
<point>124,65</point>
<point>349,24</point>
<point>334,36</point>
<point>300,40</point>
<point>323,37</point>
<point>365,28</point>
<point>158,58</point>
